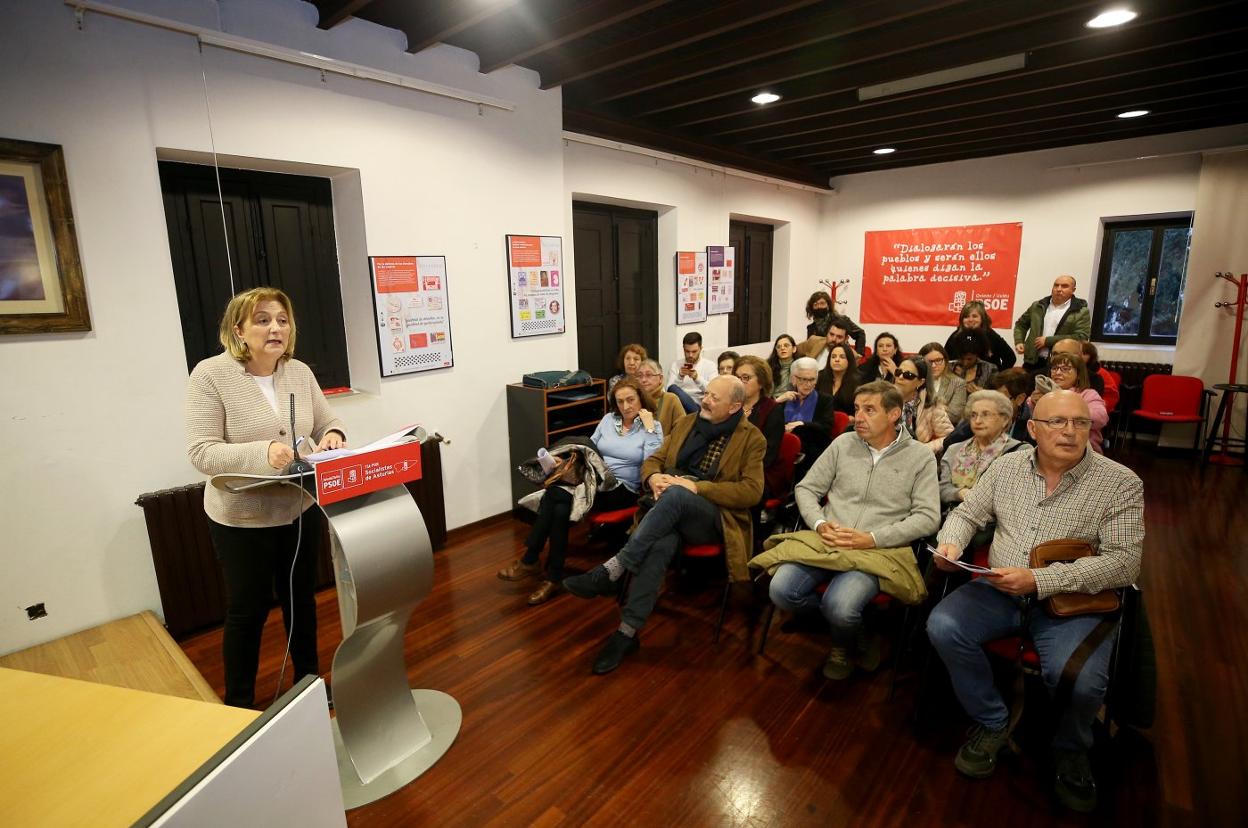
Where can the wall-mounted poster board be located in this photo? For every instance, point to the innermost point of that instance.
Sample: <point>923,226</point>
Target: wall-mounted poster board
<point>413,313</point>
<point>721,264</point>
<point>926,276</point>
<point>690,288</point>
<point>535,278</point>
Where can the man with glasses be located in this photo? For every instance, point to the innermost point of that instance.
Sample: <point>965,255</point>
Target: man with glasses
<point>1059,490</point>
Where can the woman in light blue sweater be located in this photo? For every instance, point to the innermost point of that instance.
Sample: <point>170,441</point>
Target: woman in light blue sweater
<point>625,437</point>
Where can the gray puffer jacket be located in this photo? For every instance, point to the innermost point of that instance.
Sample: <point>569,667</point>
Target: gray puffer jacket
<point>595,477</point>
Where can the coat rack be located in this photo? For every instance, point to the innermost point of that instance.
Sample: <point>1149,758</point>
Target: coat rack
<point>1231,387</point>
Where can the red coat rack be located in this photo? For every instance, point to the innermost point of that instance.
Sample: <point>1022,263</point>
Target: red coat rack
<point>1241,285</point>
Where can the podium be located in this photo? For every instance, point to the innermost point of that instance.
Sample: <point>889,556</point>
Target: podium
<point>385,733</point>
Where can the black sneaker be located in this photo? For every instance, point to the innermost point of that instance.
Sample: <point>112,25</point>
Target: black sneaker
<point>618,646</point>
<point>593,583</point>
<point>1073,784</point>
<point>978,757</point>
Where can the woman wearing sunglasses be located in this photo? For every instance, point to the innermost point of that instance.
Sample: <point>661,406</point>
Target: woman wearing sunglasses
<point>925,419</point>
<point>1070,374</point>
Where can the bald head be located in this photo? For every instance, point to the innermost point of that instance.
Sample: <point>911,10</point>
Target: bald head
<point>723,398</point>
<point>1061,446</point>
<point>1061,404</point>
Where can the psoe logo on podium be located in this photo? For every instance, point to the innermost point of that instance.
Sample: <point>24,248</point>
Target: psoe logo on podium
<point>353,476</point>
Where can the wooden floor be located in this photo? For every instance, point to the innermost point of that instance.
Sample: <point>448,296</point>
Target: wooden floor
<point>687,733</point>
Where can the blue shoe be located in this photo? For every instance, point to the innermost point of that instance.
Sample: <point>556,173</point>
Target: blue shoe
<point>593,583</point>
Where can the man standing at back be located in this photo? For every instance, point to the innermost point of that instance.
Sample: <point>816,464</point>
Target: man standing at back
<point>1061,490</point>
<point>1060,315</point>
<point>688,377</point>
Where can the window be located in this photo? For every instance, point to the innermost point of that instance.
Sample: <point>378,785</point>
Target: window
<point>281,234</point>
<point>1139,286</point>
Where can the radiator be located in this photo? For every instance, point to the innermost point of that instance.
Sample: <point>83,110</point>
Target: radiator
<point>191,590</point>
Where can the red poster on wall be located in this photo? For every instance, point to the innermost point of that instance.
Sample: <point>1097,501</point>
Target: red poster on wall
<point>926,276</point>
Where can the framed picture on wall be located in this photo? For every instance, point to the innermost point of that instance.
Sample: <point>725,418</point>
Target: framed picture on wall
<point>535,281</point>
<point>41,285</point>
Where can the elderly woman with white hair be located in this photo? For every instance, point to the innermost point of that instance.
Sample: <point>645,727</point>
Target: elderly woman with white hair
<point>989,413</point>
<point>808,413</point>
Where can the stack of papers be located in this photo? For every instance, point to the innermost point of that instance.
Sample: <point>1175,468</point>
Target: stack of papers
<point>407,434</point>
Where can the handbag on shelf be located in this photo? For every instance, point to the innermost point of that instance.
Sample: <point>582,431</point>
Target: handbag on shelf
<point>1068,604</point>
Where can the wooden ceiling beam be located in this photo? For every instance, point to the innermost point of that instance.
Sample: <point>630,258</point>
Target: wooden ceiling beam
<point>576,63</point>
<point>429,23</point>
<point>1075,87</point>
<point>814,101</point>
<point>751,47</point>
<point>333,12</point>
<point>878,163</point>
<point>590,123</point>
<point>531,37</point>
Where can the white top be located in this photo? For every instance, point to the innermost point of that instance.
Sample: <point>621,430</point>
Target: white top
<point>694,388</point>
<point>1051,317</point>
<point>266,387</point>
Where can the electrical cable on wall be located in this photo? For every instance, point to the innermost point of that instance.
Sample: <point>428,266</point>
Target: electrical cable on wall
<point>216,169</point>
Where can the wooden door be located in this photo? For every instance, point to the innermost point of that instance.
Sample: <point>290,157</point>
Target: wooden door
<point>750,321</point>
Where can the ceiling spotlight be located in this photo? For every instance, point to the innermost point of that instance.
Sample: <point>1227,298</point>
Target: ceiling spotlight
<point>765,98</point>
<point>1134,113</point>
<point>1113,17</point>
<point>884,150</point>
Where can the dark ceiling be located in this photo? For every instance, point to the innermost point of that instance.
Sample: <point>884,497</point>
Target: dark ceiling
<point>678,76</point>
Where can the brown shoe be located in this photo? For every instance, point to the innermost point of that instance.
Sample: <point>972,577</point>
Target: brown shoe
<point>544,592</point>
<point>518,570</point>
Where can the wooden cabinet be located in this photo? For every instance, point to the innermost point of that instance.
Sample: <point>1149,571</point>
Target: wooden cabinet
<point>538,417</point>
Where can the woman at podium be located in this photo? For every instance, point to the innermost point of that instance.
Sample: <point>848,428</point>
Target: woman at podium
<point>241,407</point>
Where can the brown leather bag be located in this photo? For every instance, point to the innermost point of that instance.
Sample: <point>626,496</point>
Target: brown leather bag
<point>1067,604</point>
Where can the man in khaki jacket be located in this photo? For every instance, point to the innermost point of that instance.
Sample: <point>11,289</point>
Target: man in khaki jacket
<point>704,479</point>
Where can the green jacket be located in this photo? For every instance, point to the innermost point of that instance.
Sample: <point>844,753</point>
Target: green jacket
<point>898,573</point>
<point>1076,323</point>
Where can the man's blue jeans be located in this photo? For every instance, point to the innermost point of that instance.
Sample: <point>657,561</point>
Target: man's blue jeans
<point>794,586</point>
<point>977,613</point>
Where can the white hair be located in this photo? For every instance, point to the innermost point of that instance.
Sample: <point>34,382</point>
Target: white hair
<point>804,364</point>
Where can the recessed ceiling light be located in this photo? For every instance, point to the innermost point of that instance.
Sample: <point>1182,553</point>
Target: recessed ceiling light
<point>1134,113</point>
<point>1112,17</point>
<point>765,98</point>
<point>884,150</point>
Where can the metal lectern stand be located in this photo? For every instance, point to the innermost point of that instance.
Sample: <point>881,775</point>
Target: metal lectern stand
<point>385,733</point>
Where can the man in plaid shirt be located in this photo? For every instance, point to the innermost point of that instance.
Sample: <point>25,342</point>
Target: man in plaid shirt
<point>1060,490</point>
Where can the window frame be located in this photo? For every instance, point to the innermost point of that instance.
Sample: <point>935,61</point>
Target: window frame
<point>1158,224</point>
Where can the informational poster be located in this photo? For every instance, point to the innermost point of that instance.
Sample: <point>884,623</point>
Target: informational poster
<point>535,277</point>
<point>721,263</point>
<point>690,288</point>
<point>413,313</point>
<point>926,276</point>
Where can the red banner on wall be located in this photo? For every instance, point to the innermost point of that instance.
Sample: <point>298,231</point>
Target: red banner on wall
<point>926,276</point>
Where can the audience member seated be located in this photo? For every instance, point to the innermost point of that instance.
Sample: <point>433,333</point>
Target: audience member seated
<point>783,352</point>
<point>704,480</point>
<point>924,418</point>
<point>882,364</point>
<point>767,416</point>
<point>1075,348</point>
<point>624,438</point>
<point>822,315</point>
<point>943,385</point>
<point>807,413</point>
<point>839,378</point>
<point>838,334</point>
<point>630,359</point>
<point>962,464</point>
<point>1086,497</point>
<point>881,494</point>
<point>1016,385</point>
<point>1070,374</point>
<point>727,362</point>
<point>1109,391</point>
<point>667,407</point>
<point>688,377</point>
<point>974,317</point>
<point>969,364</point>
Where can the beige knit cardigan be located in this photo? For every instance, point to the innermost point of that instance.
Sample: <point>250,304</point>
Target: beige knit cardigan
<point>229,425</point>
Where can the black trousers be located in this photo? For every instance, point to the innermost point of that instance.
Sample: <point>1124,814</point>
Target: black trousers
<point>256,563</point>
<point>554,514</point>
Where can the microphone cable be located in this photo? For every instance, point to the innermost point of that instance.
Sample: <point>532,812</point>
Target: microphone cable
<point>290,594</point>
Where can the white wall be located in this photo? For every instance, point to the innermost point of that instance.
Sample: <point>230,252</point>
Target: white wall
<point>695,206</point>
<point>1061,196</point>
<point>93,420</point>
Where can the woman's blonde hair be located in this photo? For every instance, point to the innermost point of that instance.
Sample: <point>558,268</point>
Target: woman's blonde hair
<point>240,309</point>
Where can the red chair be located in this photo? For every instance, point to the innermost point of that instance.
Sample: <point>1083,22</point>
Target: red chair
<point>615,517</point>
<point>790,448</point>
<point>866,354</point>
<point>840,422</point>
<point>1173,399</point>
<point>706,551</point>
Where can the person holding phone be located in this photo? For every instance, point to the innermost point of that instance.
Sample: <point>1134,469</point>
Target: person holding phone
<point>688,377</point>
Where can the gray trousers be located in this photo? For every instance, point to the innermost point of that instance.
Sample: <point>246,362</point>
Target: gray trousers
<point>679,515</point>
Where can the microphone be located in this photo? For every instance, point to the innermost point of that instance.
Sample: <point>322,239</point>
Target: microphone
<point>298,465</point>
